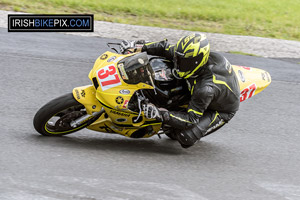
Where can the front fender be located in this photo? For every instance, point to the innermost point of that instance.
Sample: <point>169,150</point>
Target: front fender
<point>86,95</point>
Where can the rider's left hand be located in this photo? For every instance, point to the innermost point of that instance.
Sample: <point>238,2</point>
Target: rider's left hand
<point>131,45</point>
<point>152,112</point>
<point>126,44</point>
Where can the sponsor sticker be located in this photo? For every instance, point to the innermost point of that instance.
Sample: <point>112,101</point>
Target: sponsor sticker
<point>241,74</point>
<point>247,68</point>
<point>125,104</point>
<point>124,91</point>
<point>119,100</point>
<point>263,76</point>
<point>83,93</point>
<point>228,66</point>
<point>120,113</point>
<point>141,61</point>
<point>118,59</point>
<point>77,94</point>
<point>111,59</point>
<point>104,56</point>
<point>122,71</point>
<point>268,76</point>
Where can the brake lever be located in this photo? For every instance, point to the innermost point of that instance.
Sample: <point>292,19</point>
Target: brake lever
<point>140,99</point>
<point>117,44</point>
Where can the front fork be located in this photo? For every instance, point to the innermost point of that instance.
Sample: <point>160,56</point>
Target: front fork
<point>86,95</point>
<point>87,117</point>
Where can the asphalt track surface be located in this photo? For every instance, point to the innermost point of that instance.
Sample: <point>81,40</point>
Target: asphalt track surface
<point>255,156</point>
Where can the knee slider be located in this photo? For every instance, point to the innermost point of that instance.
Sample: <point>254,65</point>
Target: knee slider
<point>189,137</point>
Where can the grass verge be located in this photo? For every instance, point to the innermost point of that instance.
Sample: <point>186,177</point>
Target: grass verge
<point>268,18</point>
<point>242,53</point>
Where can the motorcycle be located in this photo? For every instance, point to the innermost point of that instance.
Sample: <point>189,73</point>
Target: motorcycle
<point>121,84</point>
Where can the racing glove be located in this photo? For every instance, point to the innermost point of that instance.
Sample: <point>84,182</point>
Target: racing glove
<point>131,46</point>
<point>152,112</point>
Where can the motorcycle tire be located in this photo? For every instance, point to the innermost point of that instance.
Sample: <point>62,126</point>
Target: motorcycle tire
<point>54,118</point>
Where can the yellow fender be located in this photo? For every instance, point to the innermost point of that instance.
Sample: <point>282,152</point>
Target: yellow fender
<point>86,95</point>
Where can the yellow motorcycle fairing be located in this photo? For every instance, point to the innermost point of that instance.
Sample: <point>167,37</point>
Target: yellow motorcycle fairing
<point>251,80</point>
<point>110,92</point>
<point>86,95</point>
<point>113,94</point>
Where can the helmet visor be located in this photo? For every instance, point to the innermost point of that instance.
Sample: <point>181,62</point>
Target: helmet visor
<point>183,64</point>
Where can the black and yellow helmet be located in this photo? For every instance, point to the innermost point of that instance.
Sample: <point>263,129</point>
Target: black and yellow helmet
<point>190,54</point>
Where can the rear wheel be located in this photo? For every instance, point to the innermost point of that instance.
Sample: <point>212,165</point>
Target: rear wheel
<point>54,118</point>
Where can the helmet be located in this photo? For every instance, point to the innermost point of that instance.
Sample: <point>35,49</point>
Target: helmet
<point>190,54</point>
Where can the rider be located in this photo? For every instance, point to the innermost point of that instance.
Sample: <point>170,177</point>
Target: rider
<point>211,80</point>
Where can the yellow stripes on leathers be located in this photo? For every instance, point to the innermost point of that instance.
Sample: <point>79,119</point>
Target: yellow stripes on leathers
<point>180,119</point>
<point>168,48</point>
<point>192,90</point>
<point>151,43</point>
<point>221,82</point>
<point>216,115</point>
<point>196,112</point>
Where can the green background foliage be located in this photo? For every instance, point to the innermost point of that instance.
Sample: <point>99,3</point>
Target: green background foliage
<point>265,18</point>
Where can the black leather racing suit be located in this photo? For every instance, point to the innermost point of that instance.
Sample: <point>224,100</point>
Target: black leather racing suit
<point>214,100</point>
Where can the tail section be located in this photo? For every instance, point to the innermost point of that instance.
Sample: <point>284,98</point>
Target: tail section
<point>252,80</point>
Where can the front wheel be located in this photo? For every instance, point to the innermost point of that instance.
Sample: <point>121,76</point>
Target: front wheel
<point>54,118</point>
